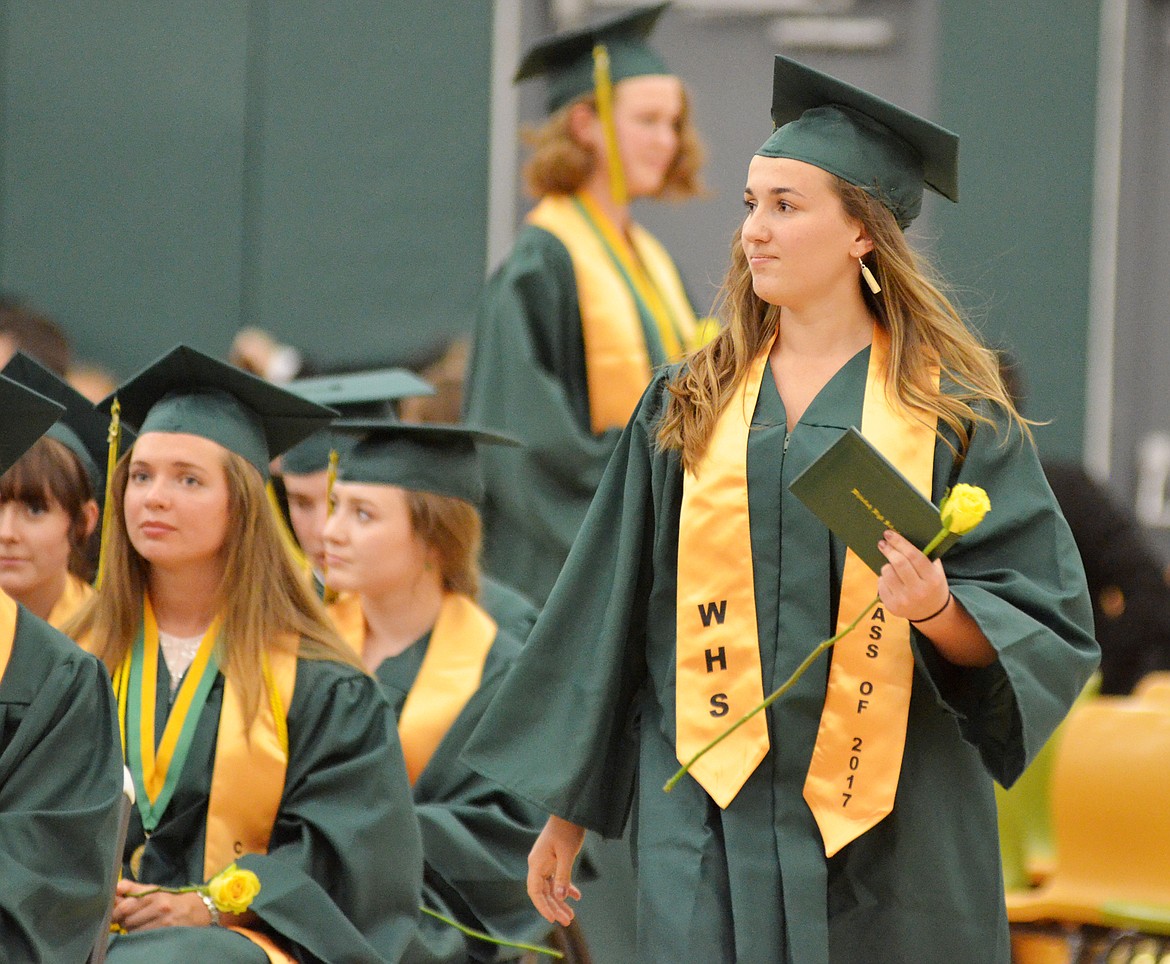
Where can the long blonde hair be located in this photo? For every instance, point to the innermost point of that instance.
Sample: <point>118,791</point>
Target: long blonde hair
<point>264,599</point>
<point>560,164</point>
<point>923,325</point>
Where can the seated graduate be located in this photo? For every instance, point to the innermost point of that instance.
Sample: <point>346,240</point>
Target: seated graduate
<point>305,475</point>
<point>251,731</point>
<point>403,538</point>
<point>60,765</point>
<point>48,502</point>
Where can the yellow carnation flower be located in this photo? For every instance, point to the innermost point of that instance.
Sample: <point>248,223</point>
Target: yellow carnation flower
<point>963,508</point>
<point>232,890</point>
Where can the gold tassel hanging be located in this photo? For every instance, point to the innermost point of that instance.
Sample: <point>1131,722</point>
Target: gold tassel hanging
<point>603,87</point>
<point>286,536</point>
<point>327,594</point>
<point>113,443</point>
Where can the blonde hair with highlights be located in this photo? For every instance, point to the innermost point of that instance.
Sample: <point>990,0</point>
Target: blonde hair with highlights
<point>560,164</point>
<point>451,527</point>
<point>923,325</point>
<point>264,598</point>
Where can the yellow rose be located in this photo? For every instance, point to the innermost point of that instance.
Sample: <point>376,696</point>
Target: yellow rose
<point>232,890</point>
<point>963,508</point>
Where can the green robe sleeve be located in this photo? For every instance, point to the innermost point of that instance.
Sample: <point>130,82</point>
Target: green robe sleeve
<point>60,792</point>
<point>605,586</point>
<point>527,378</point>
<point>1020,577</point>
<point>476,835</point>
<point>341,878</point>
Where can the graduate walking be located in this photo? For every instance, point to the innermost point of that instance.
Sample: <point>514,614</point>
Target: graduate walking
<point>855,820</point>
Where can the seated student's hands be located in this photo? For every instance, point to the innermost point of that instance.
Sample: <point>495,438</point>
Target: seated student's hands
<point>159,909</point>
<point>550,870</point>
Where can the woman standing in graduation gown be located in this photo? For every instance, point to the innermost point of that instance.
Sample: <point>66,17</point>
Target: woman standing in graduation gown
<point>250,730</point>
<point>855,821</point>
<point>48,503</point>
<point>588,304</point>
<point>60,767</point>
<point>403,540</point>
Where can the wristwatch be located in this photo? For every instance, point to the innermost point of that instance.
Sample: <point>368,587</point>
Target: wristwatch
<point>211,908</point>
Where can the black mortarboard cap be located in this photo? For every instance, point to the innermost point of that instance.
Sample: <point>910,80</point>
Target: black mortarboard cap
<point>567,58</point>
<point>883,149</point>
<point>443,459</point>
<point>190,392</point>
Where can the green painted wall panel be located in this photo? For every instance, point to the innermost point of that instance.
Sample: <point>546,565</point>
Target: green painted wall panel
<point>1017,80</point>
<point>172,171</point>
<point>122,160</point>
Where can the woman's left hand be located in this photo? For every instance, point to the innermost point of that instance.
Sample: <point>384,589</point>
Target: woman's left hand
<point>159,909</point>
<point>910,585</point>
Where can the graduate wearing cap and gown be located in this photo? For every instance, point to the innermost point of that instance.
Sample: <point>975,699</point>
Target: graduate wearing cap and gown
<point>51,496</point>
<point>60,766</point>
<point>587,304</point>
<point>854,821</point>
<point>252,735</point>
<point>403,541</point>
<point>305,472</point>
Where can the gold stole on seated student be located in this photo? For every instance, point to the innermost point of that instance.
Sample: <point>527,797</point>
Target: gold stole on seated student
<point>8,611</point>
<point>254,756</point>
<point>449,675</point>
<point>853,775</point>
<point>75,594</point>
<point>635,315</point>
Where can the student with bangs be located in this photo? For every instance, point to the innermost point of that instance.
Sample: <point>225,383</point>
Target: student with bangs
<point>49,503</point>
<point>588,303</point>
<point>252,734</point>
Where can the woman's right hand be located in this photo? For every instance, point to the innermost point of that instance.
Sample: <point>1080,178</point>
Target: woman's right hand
<point>550,870</point>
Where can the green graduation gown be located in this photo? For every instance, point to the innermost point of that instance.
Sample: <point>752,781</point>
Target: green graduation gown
<point>514,614</point>
<point>60,792</point>
<point>346,798</point>
<point>751,883</point>
<point>527,377</point>
<point>476,836</point>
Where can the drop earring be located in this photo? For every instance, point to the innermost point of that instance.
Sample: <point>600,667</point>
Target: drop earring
<point>870,280</point>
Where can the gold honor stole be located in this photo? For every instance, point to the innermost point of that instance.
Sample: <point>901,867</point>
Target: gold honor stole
<point>854,772</point>
<point>255,757</point>
<point>635,314</point>
<point>448,677</point>
<point>8,611</point>
<point>72,598</point>
<point>853,776</point>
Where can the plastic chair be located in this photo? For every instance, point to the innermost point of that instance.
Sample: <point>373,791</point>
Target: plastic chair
<point>1111,817</point>
<point>125,804</point>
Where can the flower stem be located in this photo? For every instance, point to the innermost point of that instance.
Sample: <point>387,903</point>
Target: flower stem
<point>479,935</point>
<point>791,681</point>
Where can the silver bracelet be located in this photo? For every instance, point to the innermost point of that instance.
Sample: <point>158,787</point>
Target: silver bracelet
<point>211,908</point>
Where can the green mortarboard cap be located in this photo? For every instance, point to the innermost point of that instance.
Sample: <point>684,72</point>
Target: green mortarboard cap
<point>359,395</point>
<point>443,459</point>
<point>190,392</point>
<point>82,429</point>
<point>865,140</point>
<point>27,415</point>
<point>567,58</point>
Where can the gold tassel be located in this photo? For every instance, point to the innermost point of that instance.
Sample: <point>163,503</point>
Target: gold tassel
<point>113,443</point>
<point>286,536</point>
<point>869,278</point>
<point>328,595</point>
<point>603,87</point>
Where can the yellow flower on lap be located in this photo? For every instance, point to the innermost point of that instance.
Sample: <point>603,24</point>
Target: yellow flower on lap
<point>233,889</point>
